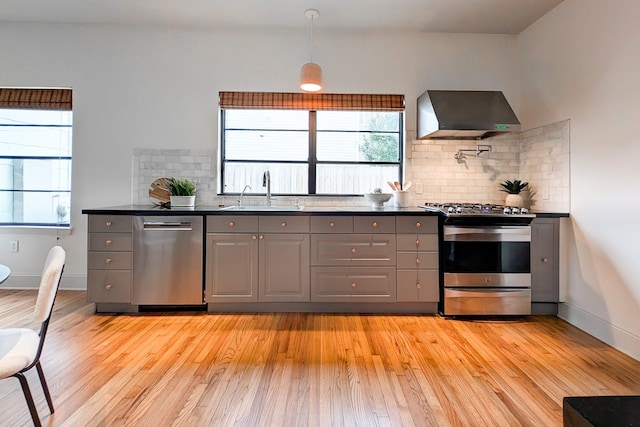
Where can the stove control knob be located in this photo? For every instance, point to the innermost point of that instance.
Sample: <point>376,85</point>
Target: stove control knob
<point>450,209</point>
<point>524,211</point>
<point>458,209</point>
<point>506,211</point>
<point>515,211</point>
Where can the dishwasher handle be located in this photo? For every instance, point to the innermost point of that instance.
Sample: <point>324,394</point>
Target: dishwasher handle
<point>167,225</point>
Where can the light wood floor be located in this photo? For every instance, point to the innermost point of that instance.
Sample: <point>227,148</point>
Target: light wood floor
<point>203,369</point>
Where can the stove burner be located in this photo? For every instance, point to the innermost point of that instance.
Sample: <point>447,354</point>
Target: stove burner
<point>475,209</point>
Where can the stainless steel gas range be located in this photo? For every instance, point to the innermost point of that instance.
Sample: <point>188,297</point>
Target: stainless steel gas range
<point>486,259</point>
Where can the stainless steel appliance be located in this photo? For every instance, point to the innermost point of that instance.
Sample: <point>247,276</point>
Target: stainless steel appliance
<point>168,260</point>
<point>486,260</point>
<point>464,114</point>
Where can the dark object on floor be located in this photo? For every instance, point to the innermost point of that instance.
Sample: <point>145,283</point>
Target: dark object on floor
<point>597,411</point>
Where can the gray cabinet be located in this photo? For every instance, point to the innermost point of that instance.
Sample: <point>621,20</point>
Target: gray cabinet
<point>545,273</point>
<point>257,258</point>
<point>418,262</point>
<point>109,259</point>
<point>231,265</point>
<point>353,259</point>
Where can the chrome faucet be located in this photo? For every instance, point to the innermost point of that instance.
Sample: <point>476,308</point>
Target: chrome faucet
<point>266,182</point>
<point>239,201</point>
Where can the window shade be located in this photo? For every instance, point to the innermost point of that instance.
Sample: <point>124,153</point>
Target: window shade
<point>310,101</point>
<point>35,99</point>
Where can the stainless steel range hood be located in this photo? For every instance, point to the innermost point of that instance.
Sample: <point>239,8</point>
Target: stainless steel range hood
<point>462,114</point>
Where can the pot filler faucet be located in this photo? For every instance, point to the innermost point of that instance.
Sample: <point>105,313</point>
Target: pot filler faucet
<point>266,182</point>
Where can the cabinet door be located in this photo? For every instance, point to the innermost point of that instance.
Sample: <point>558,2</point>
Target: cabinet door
<point>417,285</point>
<point>231,268</point>
<point>545,276</point>
<point>284,267</point>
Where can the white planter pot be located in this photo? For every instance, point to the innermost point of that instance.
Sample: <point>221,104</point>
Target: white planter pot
<point>182,201</point>
<point>514,201</point>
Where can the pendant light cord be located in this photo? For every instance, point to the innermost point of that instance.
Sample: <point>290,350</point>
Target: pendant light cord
<point>311,49</point>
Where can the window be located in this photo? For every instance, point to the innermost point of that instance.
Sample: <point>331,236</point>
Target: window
<point>310,143</point>
<point>35,156</point>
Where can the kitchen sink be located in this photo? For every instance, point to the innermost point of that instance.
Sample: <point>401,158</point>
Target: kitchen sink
<point>263,208</point>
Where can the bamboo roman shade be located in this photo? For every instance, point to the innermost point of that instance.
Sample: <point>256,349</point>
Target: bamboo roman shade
<point>35,99</point>
<point>310,101</point>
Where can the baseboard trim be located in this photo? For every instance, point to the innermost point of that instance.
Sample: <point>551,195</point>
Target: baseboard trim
<point>602,329</point>
<point>70,282</point>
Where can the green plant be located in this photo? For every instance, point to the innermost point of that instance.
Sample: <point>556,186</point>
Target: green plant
<point>182,187</point>
<point>513,187</point>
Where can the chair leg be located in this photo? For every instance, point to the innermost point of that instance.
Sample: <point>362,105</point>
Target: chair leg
<point>45,388</point>
<point>29,399</point>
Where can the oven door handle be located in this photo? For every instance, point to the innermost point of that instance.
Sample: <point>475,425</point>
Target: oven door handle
<point>487,234</point>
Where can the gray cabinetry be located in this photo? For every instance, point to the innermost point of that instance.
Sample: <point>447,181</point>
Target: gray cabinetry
<point>417,263</point>
<point>353,259</point>
<point>545,275</point>
<point>257,258</point>
<point>231,269</point>
<point>110,259</point>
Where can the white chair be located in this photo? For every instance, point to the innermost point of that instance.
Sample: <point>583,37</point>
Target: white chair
<point>20,348</point>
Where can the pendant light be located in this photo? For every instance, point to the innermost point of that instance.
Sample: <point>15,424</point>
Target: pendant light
<point>311,73</point>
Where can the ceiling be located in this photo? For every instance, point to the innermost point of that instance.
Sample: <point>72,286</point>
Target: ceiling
<point>448,16</point>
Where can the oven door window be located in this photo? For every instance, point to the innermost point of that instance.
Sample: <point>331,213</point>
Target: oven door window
<point>487,257</point>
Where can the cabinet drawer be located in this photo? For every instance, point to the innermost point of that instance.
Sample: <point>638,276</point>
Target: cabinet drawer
<point>421,260</point>
<point>374,224</point>
<point>109,286</point>
<point>110,223</point>
<point>417,242</point>
<point>232,224</point>
<point>110,242</point>
<point>417,285</point>
<point>417,224</point>
<point>109,260</point>
<point>283,224</point>
<point>332,224</point>
<point>353,249</point>
<point>375,284</point>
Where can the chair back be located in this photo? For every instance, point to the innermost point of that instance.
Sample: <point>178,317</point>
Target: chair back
<point>49,283</point>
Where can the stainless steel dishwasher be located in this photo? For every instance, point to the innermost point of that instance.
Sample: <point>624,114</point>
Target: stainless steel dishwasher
<point>168,260</point>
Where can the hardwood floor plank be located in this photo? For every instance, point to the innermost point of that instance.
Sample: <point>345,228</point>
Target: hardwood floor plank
<point>297,369</point>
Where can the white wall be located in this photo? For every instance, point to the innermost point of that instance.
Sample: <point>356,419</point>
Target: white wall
<point>157,88</point>
<point>581,62</point>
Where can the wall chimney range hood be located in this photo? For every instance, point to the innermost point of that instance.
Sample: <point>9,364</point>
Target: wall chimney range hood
<point>463,114</point>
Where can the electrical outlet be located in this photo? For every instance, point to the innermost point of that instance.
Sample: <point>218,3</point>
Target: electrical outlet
<point>419,188</point>
<point>14,245</point>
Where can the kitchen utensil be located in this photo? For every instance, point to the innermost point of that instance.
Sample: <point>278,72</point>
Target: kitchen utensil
<point>407,185</point>
<point>398,185</point>
<point>392,185</point>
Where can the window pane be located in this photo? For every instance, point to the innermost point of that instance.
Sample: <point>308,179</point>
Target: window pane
<point>359,120</point>
<point>355,179</point>
<point>34,208</point>
<point>266,145</point>
<point>29,174</point>
<point>358,147</point>
<point>45,139</point>
<point>267,119</point>
<point>285,178</point>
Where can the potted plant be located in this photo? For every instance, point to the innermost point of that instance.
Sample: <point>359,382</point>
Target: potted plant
<point>513,189</point>
<point>183,192</point>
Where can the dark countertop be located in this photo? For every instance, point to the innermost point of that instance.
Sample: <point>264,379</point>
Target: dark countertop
<point>215,210</point>
<point>590,411</point>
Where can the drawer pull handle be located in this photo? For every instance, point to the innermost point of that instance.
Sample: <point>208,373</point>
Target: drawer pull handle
<point>332,224</point>
<point>354,250</point>
<point>418,261</point>
<point>261,237</point>
<point>418,285</point>
<point>232,224</point>
<point>108,242</point>
<point>418,225</point>
<point>374,225</point>
<point>108,223</point>
<point>284,224</point>
<point>417,242</point>
<point>108,260</point>
<point>254,237</point>
<point>353,284</point>
<point>545,259</point>
<point>107,286</point>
